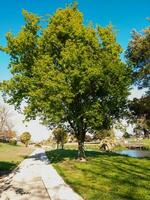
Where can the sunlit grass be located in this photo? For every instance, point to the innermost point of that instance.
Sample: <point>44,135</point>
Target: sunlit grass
<point>105,176</point>
<point>88,146</point>
<point>11,156</point>
<point>146,143</point>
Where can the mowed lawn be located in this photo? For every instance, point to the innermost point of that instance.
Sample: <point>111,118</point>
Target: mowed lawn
<point>11,156</point>
<point>105,176</point>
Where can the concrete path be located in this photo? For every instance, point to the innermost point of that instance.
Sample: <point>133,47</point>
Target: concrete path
<point>36,179</point>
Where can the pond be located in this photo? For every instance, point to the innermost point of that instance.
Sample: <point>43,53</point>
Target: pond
<point>134,153</point>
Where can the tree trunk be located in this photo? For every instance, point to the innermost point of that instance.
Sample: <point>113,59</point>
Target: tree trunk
<point>57,145</point>
<point>81,152</point>
<point>62,145</point>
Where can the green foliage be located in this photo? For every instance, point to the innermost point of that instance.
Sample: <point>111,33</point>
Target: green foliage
<point>60,136</point>
<point>25,138</point>
<point>103,134</point>
<point>138,54</point>
<point>126,135</point>
<point>146,144</point>
<point>13,142</point>
<point>140,109</point>
<point>69,73</point>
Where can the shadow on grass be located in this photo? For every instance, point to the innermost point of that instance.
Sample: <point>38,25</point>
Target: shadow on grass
<point>110,175</point>
<point>59,155</point>
<point>6,167</point>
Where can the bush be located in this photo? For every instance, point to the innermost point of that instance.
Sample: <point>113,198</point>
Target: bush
<point>37,145</point>
<point>13,142</point>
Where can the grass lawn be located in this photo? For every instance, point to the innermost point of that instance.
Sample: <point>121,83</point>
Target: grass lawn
<point>146,143</point>
<point>88,146</point>
<point>91,146</point>
<point>11,156</point>
<point>105,176</point>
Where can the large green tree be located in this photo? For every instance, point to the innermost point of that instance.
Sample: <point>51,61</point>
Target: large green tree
<point>67,73</point>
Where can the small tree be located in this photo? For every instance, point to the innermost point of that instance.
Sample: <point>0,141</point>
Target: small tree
<point>6,124</point>
<point>60,137</point>
<point>25,138</point>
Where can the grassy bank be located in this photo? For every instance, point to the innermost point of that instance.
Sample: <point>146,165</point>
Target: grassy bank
<point>11,156</point>
<point>146,144</point>
<point>105,176</point>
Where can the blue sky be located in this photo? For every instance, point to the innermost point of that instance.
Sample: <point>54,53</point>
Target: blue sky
<point>123,14</point>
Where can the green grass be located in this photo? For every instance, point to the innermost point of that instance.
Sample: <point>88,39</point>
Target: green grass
<point>146,143</point>
<point>88,146</point>
<point>93,147</point>
<point>105,176</point>
<point>11,156</point>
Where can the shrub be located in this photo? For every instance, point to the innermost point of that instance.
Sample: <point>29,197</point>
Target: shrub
<point>13,142</point>
<point>37,145</point>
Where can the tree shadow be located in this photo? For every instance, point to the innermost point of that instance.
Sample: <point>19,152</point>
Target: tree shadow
<point>59,155</point>
<point>109,174</point>
<point>6,167</point>
<point>6,178</point>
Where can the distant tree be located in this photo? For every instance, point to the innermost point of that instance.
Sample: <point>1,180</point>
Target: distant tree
<point>60,136</point>
<point>6,124</point>
<point>25,138</point>
<point>13,141</point>
<point>140,109</point>
<point>71,137</point>
<point>100,135</point>
<point>10,134</point>
<point>67,73</point>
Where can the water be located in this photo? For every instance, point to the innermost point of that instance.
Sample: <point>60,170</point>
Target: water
<point>135,153</point>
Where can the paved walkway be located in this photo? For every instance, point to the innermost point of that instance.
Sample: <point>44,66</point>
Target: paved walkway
<point>36,179</point>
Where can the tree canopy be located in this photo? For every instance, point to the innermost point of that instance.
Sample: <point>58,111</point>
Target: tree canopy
<point>141,111</point>
<point>67,72</point>
<point>25,138</point>
<point>138,55</point>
